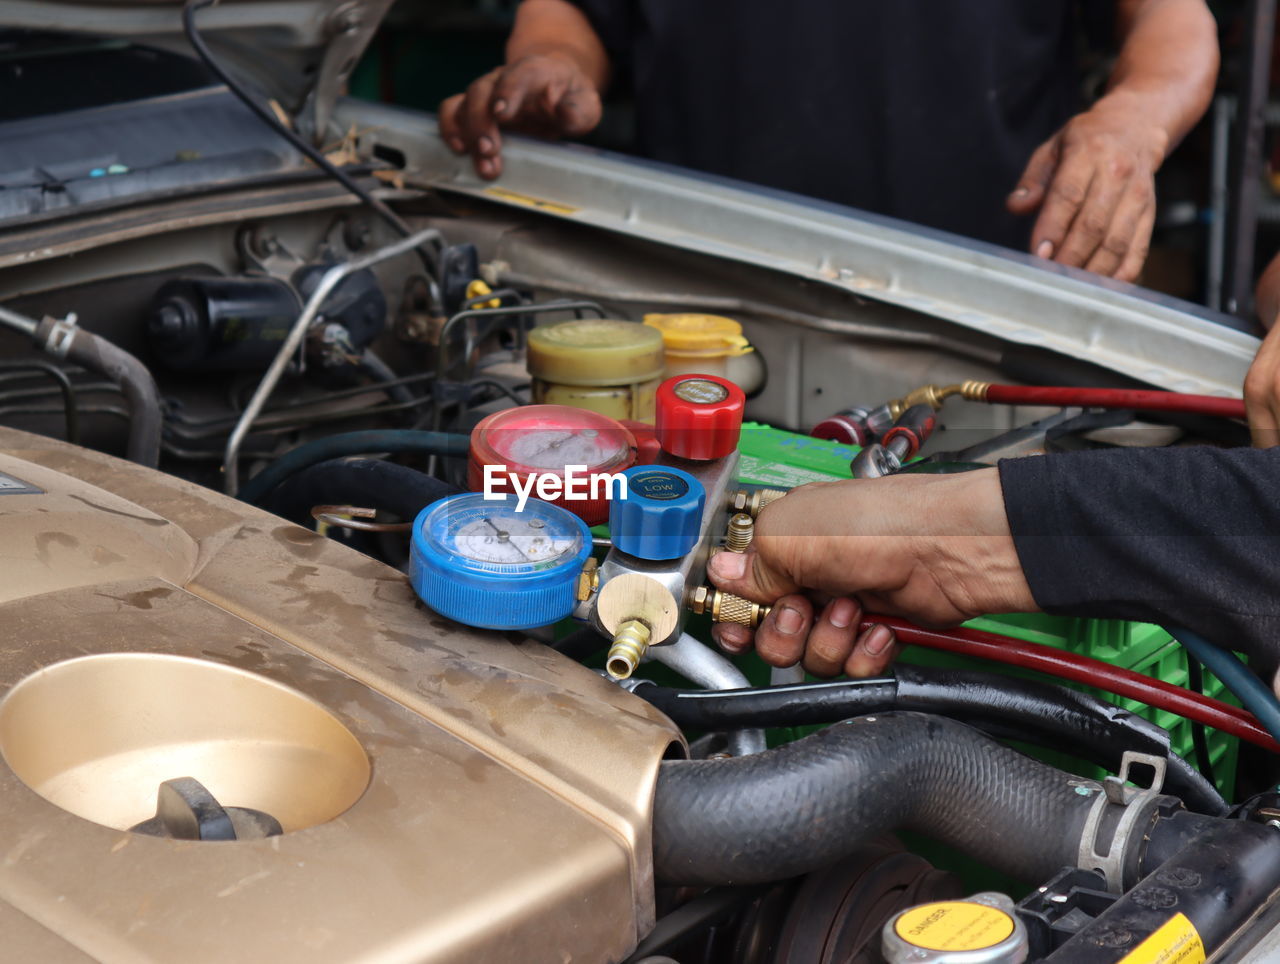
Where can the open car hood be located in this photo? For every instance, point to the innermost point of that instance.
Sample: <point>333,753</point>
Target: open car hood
<point>298,52</point>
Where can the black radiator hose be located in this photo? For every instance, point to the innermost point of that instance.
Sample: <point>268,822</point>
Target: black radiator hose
<point>370,483</point>
<point>1030,711</point>
<point>800,806</point>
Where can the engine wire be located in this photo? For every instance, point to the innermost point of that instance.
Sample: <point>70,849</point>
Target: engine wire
<point>70,404</point>
<point>393,220</point>
<point>1199,738</point>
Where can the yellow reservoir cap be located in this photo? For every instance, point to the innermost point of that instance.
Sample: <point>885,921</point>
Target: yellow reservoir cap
<point>702,335</point>
<point>596,351</point>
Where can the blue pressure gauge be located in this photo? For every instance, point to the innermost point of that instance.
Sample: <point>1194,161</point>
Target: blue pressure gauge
<point>483,563</point>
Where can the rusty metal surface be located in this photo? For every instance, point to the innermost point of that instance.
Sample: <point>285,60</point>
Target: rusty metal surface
<point>507,816</point>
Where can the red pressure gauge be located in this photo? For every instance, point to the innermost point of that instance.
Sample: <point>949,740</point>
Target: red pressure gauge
<point>648,448</point>
<point>699,416</point>
<point>530,450</point>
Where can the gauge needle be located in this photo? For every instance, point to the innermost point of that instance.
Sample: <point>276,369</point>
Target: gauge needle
<point>504,536</point>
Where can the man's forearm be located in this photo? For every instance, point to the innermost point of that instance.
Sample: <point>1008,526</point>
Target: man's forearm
<point>558,28</point>
<point>1168,64</point>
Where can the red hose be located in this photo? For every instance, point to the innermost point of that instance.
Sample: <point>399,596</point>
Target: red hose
<point>1140,399</point>
<point>1084,669</point>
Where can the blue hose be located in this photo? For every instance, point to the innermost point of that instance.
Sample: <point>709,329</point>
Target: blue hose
<point>1254,695</point>
<point>350,443</point>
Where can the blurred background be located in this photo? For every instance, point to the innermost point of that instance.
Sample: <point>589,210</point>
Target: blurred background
<point>1219,192</point>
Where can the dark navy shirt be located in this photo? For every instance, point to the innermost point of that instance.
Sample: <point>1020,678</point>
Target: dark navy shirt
<point>1182,536</point>
<point>926,110</point>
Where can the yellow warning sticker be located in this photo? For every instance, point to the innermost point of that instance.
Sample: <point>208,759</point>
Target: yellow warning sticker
<point>1175,942</point>
<point>954,925</point>
<point>529,201</point>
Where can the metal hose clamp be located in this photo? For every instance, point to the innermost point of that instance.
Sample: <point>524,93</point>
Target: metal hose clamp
<point>1133,800</point>
<point>61,334</point>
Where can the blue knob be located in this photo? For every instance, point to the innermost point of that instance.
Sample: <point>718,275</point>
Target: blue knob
<point>662,514</point>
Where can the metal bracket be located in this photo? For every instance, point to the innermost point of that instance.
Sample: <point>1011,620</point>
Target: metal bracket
<point>350,28</point>
<point>1133,800</point>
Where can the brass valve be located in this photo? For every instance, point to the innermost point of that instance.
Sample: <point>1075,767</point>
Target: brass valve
<point>752,503</point>
<point>935,395</point>
<point>725,607</point>
<point>588,580</point>
<point>629,645</point>
<point>741,529</point>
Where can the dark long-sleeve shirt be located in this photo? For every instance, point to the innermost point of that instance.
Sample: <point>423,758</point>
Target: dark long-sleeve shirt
<point>1182,536</point>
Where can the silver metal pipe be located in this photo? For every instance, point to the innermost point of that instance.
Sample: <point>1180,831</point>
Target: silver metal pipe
<point>331,279</point>
<point>19,323</point>
<point>786,675</point>
<point>701,664</point>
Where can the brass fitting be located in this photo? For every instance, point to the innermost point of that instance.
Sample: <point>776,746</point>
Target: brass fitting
<point>629,644</point>
<point>741,529</point>
<point>935,395</point>
<point>728,608</point>
<point>588,580</point>
<point>725,607</point>
<point>752,503</point>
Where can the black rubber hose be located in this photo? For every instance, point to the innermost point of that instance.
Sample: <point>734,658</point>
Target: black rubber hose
<point>351,443</point>
<point>803,805</point>
<point>370,483</point>
<point>1030,711</point>
<point>146,419</point>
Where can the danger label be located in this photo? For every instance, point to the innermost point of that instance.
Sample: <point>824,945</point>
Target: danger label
<point>1175,942</point>
<point>954,925</point>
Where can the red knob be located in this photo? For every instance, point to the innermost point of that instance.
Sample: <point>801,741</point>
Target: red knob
<point>699,416</point>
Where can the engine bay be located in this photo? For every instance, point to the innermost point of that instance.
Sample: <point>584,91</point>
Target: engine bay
<point>262,702</point>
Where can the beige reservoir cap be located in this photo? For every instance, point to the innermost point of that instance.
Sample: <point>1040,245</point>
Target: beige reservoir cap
<point>703,335</point>
<point>596,351</point>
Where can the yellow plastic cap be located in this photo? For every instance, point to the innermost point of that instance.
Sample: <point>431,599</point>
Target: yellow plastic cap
<point>596,351</point>
<point>709,335</point>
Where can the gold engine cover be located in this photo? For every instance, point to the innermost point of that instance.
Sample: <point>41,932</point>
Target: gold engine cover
<point>446,794</point>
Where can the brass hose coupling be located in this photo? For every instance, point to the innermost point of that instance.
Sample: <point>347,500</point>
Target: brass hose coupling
<point>629,645</point>
<point>725,607</point>
<point>935,395</point>
<point>753,502</point>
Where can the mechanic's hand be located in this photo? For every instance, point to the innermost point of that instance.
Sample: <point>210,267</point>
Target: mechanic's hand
<point>1094,185</point>
<point>935,549</point>
<point>548,95</point>
<point>1262,392</point>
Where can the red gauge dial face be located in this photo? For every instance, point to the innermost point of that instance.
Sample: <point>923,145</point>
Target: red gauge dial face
<point>547,438</point>
<point>521,449</point>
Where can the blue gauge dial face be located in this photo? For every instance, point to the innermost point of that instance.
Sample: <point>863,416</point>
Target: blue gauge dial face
<point>490,535</point>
